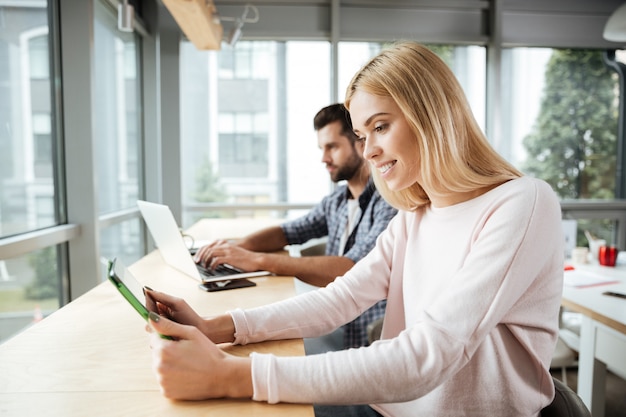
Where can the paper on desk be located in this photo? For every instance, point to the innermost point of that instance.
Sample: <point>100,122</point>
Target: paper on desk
<point>580,279</point>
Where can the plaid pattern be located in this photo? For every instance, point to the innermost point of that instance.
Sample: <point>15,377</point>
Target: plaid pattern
<point>329,218</point>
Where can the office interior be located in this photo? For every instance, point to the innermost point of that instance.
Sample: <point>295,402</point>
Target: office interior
<point>104,102</point>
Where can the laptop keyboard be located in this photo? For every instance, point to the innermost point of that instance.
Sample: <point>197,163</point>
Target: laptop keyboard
<point>219,271</point>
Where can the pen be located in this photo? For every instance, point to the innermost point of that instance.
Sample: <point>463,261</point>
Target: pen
<point>614,294</point>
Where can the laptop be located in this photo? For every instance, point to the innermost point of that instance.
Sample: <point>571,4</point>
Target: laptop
<point>169,240</point>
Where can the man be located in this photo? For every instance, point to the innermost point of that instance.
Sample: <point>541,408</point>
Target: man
<point>351,217</point>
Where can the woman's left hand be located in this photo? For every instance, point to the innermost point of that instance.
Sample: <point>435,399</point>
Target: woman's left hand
<point>191,367</point>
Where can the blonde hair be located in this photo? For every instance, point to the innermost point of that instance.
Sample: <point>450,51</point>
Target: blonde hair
<point>452,153</point>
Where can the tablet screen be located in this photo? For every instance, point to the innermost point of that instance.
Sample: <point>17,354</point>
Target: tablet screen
<point>128,286</point>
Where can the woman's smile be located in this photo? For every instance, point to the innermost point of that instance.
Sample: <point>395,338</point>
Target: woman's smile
<point>386,167</point>
<point>389,141</point>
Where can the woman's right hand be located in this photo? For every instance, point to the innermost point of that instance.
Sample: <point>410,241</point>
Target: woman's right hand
<point>219,329</point>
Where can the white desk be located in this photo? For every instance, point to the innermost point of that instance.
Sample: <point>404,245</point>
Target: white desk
<point>602,333</point>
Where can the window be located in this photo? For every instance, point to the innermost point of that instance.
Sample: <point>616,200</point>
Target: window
<point>30,285</point>
<point>29,290</point>
<point>26,156</point>
<point>247,122</point>
<point>117,126</point>
<point>118,134</point>
<point>122,241</point>
<point>562,124</point>
<point>243,145</point>
<point>467,62</point>
<point>247,115</point>
<point>42,146</point>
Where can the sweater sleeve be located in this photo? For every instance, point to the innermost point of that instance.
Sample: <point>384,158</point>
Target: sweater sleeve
<point>506,289</point>
<point>319,312</point>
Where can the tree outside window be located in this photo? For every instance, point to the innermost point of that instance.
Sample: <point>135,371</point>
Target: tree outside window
<point>573,142</point>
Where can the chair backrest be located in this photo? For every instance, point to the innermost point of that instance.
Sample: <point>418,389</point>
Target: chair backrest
<point>566,403</point>
<point>315,249</point>
<point>374,329</point>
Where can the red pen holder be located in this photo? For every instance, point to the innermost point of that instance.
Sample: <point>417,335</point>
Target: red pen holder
<point>607,255</point>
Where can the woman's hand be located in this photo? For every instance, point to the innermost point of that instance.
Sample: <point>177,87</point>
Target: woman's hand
<point>219,329</point>
<point>173,308</point>
<point>191,367</point>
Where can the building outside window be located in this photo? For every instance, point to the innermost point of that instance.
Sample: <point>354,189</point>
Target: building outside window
<point>247,124</point>
<point>30,285</point>
<point>247,117</point>
<point>118,134</point>
<point>558,117</point>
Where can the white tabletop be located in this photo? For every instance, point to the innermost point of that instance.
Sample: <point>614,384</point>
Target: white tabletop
<point>590,299</point>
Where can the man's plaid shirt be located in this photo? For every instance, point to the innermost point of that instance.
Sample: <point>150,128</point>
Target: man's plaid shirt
<point>329,218</point>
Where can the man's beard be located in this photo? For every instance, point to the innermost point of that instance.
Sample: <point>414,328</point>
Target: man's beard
<point>348,170</point>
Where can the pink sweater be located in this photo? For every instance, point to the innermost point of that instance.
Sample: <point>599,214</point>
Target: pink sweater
<point>473,297</point>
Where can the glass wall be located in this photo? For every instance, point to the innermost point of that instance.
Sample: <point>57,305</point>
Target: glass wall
<point>247,134</point>
<point>561,120</point>
<point>29,290</point>
<point>247,118</point>
<point>122,241</point>
<point>247,124</point>
<point>467,62</point>
<point>118,133</point>
<point>27,189</point>
<point>30,285</point>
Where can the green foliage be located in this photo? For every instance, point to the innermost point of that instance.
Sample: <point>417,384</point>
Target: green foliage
<point>46,284</point>
<point>445,52</point>
<point>573,143</point>
<point>209,189</point>
<point>14,299</point>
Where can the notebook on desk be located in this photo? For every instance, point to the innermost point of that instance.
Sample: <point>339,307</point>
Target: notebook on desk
<point>169,240</point>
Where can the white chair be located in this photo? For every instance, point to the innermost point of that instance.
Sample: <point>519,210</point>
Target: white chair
<point>566,351</point>
<point>563,357</point>
<point>374,329</point>
<point>316,247</point>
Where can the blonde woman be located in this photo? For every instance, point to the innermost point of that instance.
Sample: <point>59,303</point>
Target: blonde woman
<point>471,268</point>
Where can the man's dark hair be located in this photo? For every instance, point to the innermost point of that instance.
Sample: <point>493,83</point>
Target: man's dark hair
<point>333,113</point>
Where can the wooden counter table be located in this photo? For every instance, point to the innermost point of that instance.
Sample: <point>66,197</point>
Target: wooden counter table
<point>92,358</point>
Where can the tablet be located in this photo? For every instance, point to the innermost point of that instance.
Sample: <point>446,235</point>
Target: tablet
<point>129,287</point>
